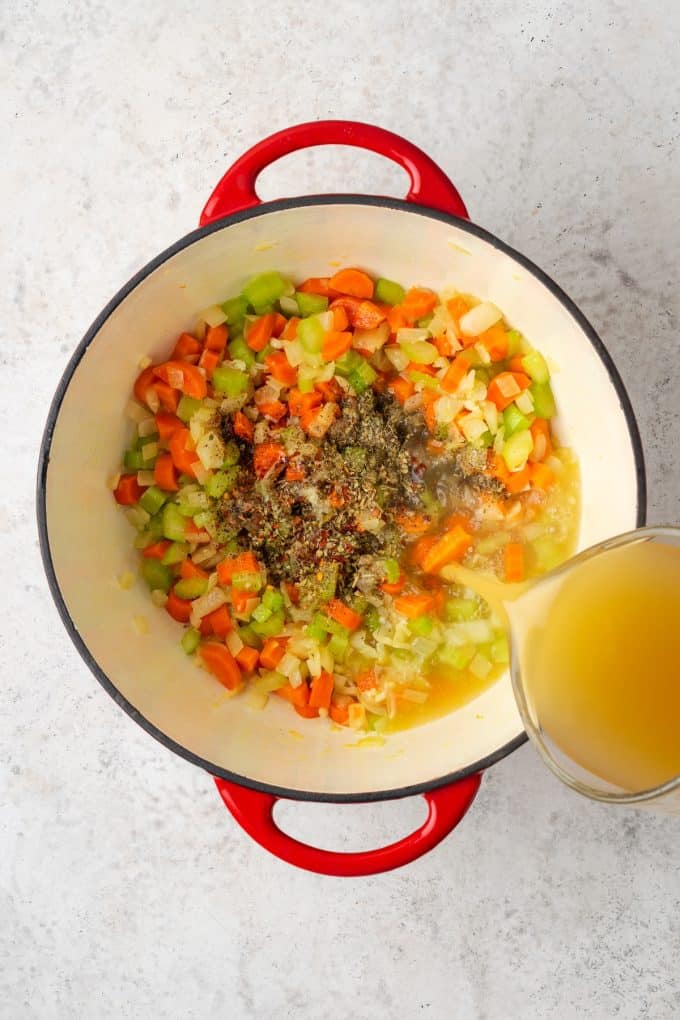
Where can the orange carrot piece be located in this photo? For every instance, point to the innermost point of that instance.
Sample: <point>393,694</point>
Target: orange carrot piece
<point>179,609</point>
<point>157,550</point>
<point>413,606</point>
<point>143,383</point>
<point>168,397</point>
<point>219,661</point>
<point>260,332</point>
<point>183,451</point>
<point>164,473</point>
<point>242,563</point>
<point>450,548</point>
<point>394,587</point>
<point>187,346</point>
<point>343,615</point>
<point>419,550</point>
<point>335,344</point>
<point>295,473</point>
<point>167,424</point>
<point>209,361</point>
<point>443,345</point>
<point>248,659</point>
<point>455,373</point>
<point>418,302</point>
<point>289,332</point>
<point>299,402</point>
<point>128,490</point>
<point>317,285</point>
<point>396,319</point>
<point>516,364</point>
<point>192,382</point>
<point>542,477</point>
<point>495,391</point>
<point>321,690</point>
<point>243,426</point>
<point>354,282</point>
<point>540,430</point>
<point>361,313</point>
<point>306,711</point>
<point>457,307</point>
<point>339,714</point>
<point>296,695</point>
<point>219,622</point>
<point>188,568</point>
<point>413,523</point>
<point>216,338</point>
<point>402,388</point>
<point>366,680</point>
<point>273,409</point>
<point>340,319</point>
<point>267,457</point>
<point>329,390</point>
<point>240,599</point>
<point>495,340</point>
<point>280,368</point>
<point>513,560</point>
<point>272,653</point>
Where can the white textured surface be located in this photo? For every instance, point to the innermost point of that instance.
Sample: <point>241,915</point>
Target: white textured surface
<point>125,889</point>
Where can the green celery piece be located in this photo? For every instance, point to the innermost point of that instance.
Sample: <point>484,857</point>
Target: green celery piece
<point>153,499</point>
<point>190,640</point>
<point>310,304</point>
<point>431,503</point>
<point>458,610</point>
<point>133,461</point>
<point>371,619</point>
<point>359,603</point>
<point>222,481</point>
<point>420,352</point>
<point>187,408</point>
<point>156,575</point>
<point>499,650</point>
<point>261,613</point>
<point>392,570</point>
<point>387,292</point>
<point>362,377</point>
<point>191,587</point>
<point>348,362</point>
<point>328,625</point>
<point>272,599</point>
<point>174,524</point>
<point>270,627</point>
<point>231,454</point>
<point>429,381</point>
<point>263,290</point>
<point>310,333</point>
<point>516,450</point>
<point>230,380</point>
<point>175,553</point>
<point>240,351</point>
<point>514,342</point>
<point>514,420</point>
<point>249,637</point>
<point>544,401</point>
<point>316,632</point>
<point>235,310</point>
<point>535,365</point>
<point>261,356</point>
<point>328,583</point>
<point>458,656</point>
<point>268,682</point>
<point>338,646</point>
<point>421,626</point>
<point>247,580</point>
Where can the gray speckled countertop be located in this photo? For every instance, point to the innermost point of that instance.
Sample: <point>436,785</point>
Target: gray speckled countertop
<point>126,890</point>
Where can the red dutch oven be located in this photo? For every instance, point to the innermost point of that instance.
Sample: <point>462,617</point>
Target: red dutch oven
<point>258,757</point>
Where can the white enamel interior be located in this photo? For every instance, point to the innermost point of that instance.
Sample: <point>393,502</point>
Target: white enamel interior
<point>91,543</point>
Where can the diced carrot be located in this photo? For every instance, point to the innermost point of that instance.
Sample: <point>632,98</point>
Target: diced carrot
<point>340,319</point>
<point>435,447</point>
<point>513,560</point>
<point>413,366</point>
<point>289,332</point>
<point>335,344</point>
<point>413,606</point>
<point>273,409</point>
<point>495,340</point>
<point>280,322</point>
<point>343,615</point>
<point>157,550</point>
<point>242,563</point>
<point>183,451</point>
<point>354,282</point>
<point>540,430</point>
<point>394,587</point>
<point>296,695</point>
<point>260,332</point>
<point>192,381</point>
<point>419,550</point>
<point>418,302</point>
<point>317,285</point>
<point>295,473</point>
<point>402,388</point>
<point>293,592</point>
<point>248,659</point>
<point>339,714</point>
<point>457,307</point>
<point>209,361</point>
<point>516,364</point>
<point>267,457</point>
<point>143,383</point>
<point>502,391</point>
<point>413,523</point>
<point>240,599</point>
<point>321,690</point>
<point>299,402</point>
<point>179,609</point>
<point>272,653</point>
<point>396,319</point>
<point>243,426</point>
<point>514,481</point>
<point>216,338</point>
<point>542,477</point>
<point>450,548</point>
<point>329,390</point>
<point>168,397</point>
<point>455,373</point>
<point>195,534</point>
<point>164,473</point>
<point>306,711</point>
<point>167,424</point>
<point>363,314</point>
<point>187,346</point>
<point>366,680</point>
<point>443,345</point>
<point>219,661</point>
<point>219,622</point>
<point>188,568</point>
<point>281,368</point>
<point>128,490</point>
<point>430,398</point>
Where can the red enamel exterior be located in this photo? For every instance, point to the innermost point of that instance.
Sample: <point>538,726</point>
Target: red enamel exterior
<point>430,186</point>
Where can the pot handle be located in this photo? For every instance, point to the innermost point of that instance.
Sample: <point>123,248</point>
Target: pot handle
<point>253,810</point>
<point>429,184</point>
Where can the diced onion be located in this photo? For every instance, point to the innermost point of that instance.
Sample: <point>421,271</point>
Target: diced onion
<point>357,716</point>
<point>233,642</point>
<point>413,403</point>
<point>152,400</point>
<point>418,697</point>
<point>294,353</point>
<point>490,412</point>
<point>200,329</point>
<point>144,362</point>
<point>446,409</point>
<point>159,597</point>
<point>480,666</point>
<point>205,604</point>
<point>326,320</point>
<point>135,412</point>
<point>288,664</point>
<point>483,354</point>
<point>146,427</point>
<point>472,427</point>
<point>508,386</point>
<point>372,339</point>
<point>214,315</point>
<point>289,305</point>
<point>231,404</point>
<point>409,336</point>
<point>145,478</point>
<point>480,318</point>
<point>112,481</point>
<point>397,357</point>
<point>256,700</point>
<point>525,402</point>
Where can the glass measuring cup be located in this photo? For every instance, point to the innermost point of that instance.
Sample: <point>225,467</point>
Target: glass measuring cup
<point>532,611</point>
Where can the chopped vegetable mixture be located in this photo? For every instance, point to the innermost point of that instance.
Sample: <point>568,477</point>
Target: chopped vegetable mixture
<point>309,459</point>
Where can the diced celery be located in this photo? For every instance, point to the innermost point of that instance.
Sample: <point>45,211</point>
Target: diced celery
<point>355,457</point>
<point>315,631</point>
<point>500,650</point>
<point>247,580</point>
<point>425,321</point>
<point>230,380</point>
<point>362,377</point>
<point>310,333</point>
<point>222,481</point>
<point>421,626</point>
<point>348,363</point>
<point>191,587</point>
<point>535,365</point>
<point>514,342</point>
<point>544,401</point>
<point>458,656</point>
<point>485,440</point>
<point>153,499</point>
<point>268,682</point>
<point>310,304</point>
<point>431,503</point>
<point>516,450</point>
<point>174,524</point>
<point>175,553</point>
<point>371,619</point>
<point>358,602</point>
<point>261,356</point>
<point>249,637</point>
<point>338,646</point>
<point>392,570</point>
<point>235,310</point>
<point>328,625</point>
<point>187,408</point>
<point>459,609</point>
<point>261,613</point>
<point>270,627</point>
<point>231,454</point>
<point>420,352</point>
<point>327,584</point>
<point>272,599</point>
<point>190,640</point>
<point>514,420</point>
<point>306,379</point>
<point>430,382</point>
<point>387,292</point>
<point>133,461</point>
<point>156,574</point>
<point>263,290</point>
<point>240,351</point>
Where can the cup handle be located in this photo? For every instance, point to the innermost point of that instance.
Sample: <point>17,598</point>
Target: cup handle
<point>429,184</point>
<point>253,810</point>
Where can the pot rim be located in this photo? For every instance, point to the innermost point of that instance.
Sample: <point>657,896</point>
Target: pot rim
<point>44,456</point>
